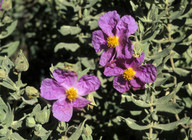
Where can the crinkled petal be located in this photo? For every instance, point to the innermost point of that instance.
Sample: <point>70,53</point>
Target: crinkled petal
<point>108,21</point>
<point>107,56</point>
<point>80,102</point>
<point>137,84</point>
<point>51,90</point>
<point>98,40</point>
<point>113,68</point>
<point>62,110</point>
<point>120,84</point>
<point>146,73</point>
<point>139,60</point>
<point>87,84</point>
<point>125,49</point>
<point>66,78</point>
<point>135,62</point>
<point>126,26</point>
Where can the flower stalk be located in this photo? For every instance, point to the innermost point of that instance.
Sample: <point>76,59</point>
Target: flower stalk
<point>151,124</point>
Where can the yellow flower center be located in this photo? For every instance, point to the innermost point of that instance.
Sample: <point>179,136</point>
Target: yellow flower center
<point>112,41</point>
<point>71,94</point>
<point>129,74</point>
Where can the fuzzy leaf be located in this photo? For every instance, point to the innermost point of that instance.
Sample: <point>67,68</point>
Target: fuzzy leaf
<point>171,126</point>
<point>16,136</point>
<point>68,46</point>
<point>169,107</point>
<point>133,125</point>
<point>138,102</point>
<point>9,30</point>
<point>181,72</point>
<point>163,53</point>
<point>88,63</point>
<point>69,30</point>
<point>8,49</point>
<point>76,135</point>
<point>167,98</point>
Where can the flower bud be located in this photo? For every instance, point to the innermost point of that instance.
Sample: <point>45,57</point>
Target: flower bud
<point>31,92</point>
<point>2,74</point>
<point>21,63</point>
<point>6,5</point>
<point>7,19</point>
<point>45,114</point>
<point>138,49</point>
<point>30,122</point>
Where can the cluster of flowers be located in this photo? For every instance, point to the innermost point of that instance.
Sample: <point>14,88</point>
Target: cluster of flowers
<point>117,57</point>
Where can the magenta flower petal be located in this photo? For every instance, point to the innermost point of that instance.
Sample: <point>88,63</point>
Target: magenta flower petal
<point>98,40</point>
<point>107,56</point>
<point>62,110</point>
<point>80,102</point>
<point>120,84</point>
<point>125,49</point>
<point>146,73</point>
<point>108,21</point>
<point>87,84</point>
<point>111,69</point>
<point>126,26</point>
<point>135,62</point>
<point>51,90</point>
<point>65,78</point>
<point>139,60</point>
<point>137,84</point>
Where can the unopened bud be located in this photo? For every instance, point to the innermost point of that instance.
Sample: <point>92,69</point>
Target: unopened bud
<point>21,63</point>
<point>30,122</point>
<point>138,49</point>
<point>2,74</point>
<point>31,92</point>
<point>45,114</point>
<point>6,19</point>
<point>6,5</point>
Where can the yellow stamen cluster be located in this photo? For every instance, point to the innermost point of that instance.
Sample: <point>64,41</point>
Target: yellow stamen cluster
<point>71,94</point>
<point>112,41</point>
<point>129,74</point>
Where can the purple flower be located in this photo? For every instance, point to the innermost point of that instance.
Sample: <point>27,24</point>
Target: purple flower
<point>113,36</point>
<point>128,73</point>
<point>68,92</point>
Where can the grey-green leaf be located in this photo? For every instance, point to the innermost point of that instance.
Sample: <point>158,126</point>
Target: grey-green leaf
<point>167,98</point>
<point>76,135</point>
<point>163,53</point>
<point>169,107</point>
<point>69,30</point>
<point>171,126</point>
<point>133,125</point>
<point>181,72</point>
<point>9,30</point>
<point>16,136</point>
<point>67,46</point>
<point>8,49</point>
<point>139,103</point>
